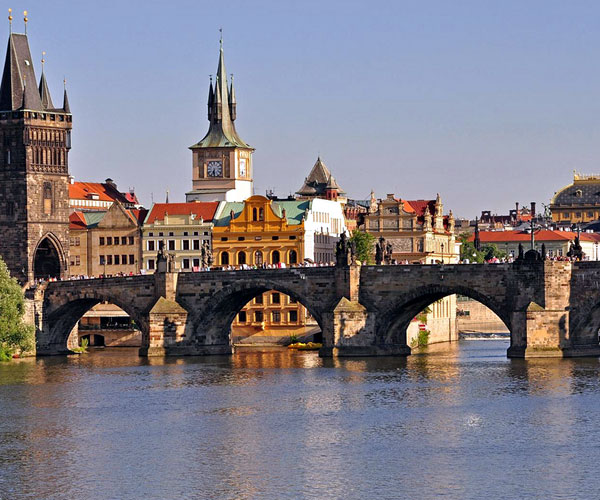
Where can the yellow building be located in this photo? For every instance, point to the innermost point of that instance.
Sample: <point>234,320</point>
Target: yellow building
<point>577,202</point>
<point>261,232</point>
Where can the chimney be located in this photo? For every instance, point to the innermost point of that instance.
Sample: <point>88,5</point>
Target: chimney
<point>533,209</point>
<point>517,207</point>
<point>110,182</point>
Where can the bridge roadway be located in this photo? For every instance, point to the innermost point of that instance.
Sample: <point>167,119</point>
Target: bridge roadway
<point>551,308</point>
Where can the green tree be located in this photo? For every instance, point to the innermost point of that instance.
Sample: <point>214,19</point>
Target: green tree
<point>364,245</point>
<point>486,252</point>
<point>15,336</point>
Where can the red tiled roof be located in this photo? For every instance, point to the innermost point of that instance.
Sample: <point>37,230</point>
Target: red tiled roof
<point>542,235</point>
<point>204,209</point>
<point>419,206</point>
<point>76,221</point>
<point>138,214</point>
<point>105,192</point>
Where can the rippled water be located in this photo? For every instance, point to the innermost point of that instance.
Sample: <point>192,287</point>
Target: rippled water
<point>460,421</point>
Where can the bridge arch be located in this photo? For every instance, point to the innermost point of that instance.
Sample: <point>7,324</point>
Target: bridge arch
<point>218,312</point>
<point>61,320</point>
<point>393,322</point>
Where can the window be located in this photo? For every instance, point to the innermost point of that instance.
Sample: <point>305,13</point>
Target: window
<point>577,214</point>
<point>196,262</point>
<point>131,240</point>
<point>116,240</point>
<point>224,259</point>
<point>117,260</point>
<point>160,234</point>
<point>185,233</point>
<point>293,257</point>
<point>258,299</point>
<point>224,238</point>
<point>170,233</point>
<point>241,238</point>
<point>171,244</point>
<point>185,245</point>
<point>150,234</point>
<point>123,259</point>
<point>123,240</point>
<point>150,264</point>
<point>196,244</point>
<point>292,300</point>
<point>242,317</point>
<point>293,316</point>
<point>77,260</point>
<point>131,259</point>
<point>195,233</point>
<point>258,258</point>
<point>590,214</point>
<point>275,259</point>
<point>47,198</point>
<point>109,240</point>
<point>292,237</point>
<point>254,213</point>
<point>102,260</point>
<point>109,260</point>
<point>102,240</point>
<point>276,317</point>
<point>275,298</point>
<point>241,258</point>
<point>274,238</point>
<point>258,316</point>
<point>185,263</point>
<point>151,246</point>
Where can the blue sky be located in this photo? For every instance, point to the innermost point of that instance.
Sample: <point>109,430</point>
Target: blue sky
<point>487,103</point>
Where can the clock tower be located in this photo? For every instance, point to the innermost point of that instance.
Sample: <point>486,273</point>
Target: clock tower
<point>221,161</point>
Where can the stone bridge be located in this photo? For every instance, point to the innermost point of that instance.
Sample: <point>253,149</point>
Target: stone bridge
<point>550,308</point>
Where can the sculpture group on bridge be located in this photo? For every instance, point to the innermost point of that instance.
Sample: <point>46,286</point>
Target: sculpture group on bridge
<point>345,252</point>
<point>383,252</point>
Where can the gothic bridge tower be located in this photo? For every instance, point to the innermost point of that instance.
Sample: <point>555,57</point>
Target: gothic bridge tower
<point>221,161</point>
<point>35,138</point>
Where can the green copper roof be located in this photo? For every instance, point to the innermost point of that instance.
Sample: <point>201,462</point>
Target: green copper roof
<point>223,215</point>
<point>294,210</point>
<point>221,113</point>
<point>93,218</point>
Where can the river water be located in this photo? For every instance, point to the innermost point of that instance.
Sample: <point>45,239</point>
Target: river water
<point>457,421</point>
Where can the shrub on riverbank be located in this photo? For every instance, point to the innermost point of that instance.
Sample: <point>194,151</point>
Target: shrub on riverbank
<point>15,336</point>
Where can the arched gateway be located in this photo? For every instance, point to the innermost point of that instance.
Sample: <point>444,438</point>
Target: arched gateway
<point>48,259</point>
<point>362,311</point>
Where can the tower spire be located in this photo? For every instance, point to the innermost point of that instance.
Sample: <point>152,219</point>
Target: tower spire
<point>43,88</point>
<point>232,101</point>
<point>66,107</point>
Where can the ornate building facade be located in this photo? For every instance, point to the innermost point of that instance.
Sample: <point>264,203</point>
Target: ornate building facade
<point>418,230</point>
<point>221,161</point>
<point>578,202</point>
<point>35,139</point>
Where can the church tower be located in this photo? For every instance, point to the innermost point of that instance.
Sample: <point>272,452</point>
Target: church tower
<point>221,161</point>
<point>35,138</point>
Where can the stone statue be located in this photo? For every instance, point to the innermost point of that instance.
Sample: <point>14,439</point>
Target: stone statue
<point>345,252</point>
<point>207,258</point>
<point>521,252</point>
<point>379,246</point>
<point>389,249</point>
<point>170,263</point>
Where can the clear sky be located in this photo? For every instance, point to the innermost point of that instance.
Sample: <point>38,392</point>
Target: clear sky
<point>487,103</point>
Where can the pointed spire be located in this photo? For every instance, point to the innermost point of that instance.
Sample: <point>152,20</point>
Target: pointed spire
<point>211,99</point>
<point>43,88</point>
<point>167,197</point>
<point>232,101</point>
<point>66,107</point>
<point>221,111</point>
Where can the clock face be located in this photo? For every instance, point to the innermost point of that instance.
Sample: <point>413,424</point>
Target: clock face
<point>214,168</point>
<point>242,167</point>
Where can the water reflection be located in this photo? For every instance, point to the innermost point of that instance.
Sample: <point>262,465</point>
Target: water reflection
<point>453,420</point>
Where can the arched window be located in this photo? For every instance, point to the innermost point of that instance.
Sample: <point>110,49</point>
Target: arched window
<point>258,258</point>
<point>261,214</point>
<point>293,257</point>
<point>275,258</point>
<point>241,258</point>
<point>254,214</point>
<point>47,198</point>
<point>224,259</point>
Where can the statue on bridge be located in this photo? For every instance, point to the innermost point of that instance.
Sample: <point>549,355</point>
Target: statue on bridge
<point>389,249</point>
<point>575,250</point>
<point>165,261</point>
<point>379,251</point>
<point>345,252</point>
<point>207,257</point>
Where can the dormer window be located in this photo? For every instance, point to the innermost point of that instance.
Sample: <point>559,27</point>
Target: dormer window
<point>93,196</point>
<point>578,193</point>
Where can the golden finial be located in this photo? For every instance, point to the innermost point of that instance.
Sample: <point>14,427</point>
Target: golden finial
<point>65,82</point>
<point>43,59</point>
<point>10,20</point>
<point>25,19</point>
